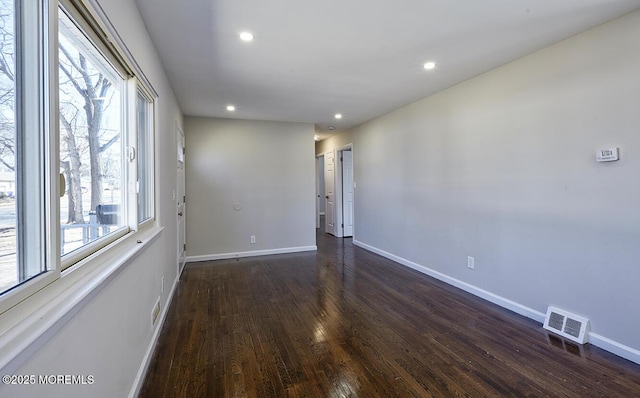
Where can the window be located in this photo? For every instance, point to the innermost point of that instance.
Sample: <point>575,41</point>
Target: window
<point>91,142</point>
<point>8,219</point>
<point>22,137</point>
<point>76,143</point>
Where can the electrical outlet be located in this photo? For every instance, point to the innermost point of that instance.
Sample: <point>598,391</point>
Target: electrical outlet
<point>471,262</point>
<point>253,239</point>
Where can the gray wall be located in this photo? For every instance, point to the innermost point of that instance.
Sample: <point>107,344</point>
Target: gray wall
<point>502,168</point>
<point>267,167</point>
<point>110,335</point>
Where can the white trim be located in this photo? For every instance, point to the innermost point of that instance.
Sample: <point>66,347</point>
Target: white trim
<point>597,340</point>
<point>614,347</point>
<point>65,298</point>
<point>225,256</point>
<point>148,355</point>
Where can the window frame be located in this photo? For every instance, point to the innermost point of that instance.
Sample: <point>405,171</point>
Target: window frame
<point>140,89</point>
<point>65,271</point>
<point>38,82</point>
<point>68,260</point>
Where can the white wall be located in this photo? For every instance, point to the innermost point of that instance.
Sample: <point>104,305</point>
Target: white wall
<point>266,167</point>
<point>502,168</point>
<point>109,336</point>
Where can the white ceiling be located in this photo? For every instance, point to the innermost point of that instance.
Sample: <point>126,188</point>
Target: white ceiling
<point>362,58</point>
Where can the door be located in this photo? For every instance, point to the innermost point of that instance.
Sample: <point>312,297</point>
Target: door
<point>347,193</point>
<point>318,196</point>
<point>329,192</point>
<point>320,200</point>
<point>180,201</point>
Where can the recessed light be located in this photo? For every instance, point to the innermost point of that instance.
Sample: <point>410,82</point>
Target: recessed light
<point>331,128</point>
<point>231,108</point>
<point>338,116</point>
<point>430,65</point>
<point>246,36</point>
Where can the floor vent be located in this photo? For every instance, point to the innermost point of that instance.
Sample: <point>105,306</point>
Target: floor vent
<point>570,326</point>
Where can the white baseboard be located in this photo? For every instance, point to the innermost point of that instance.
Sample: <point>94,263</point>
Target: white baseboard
<point>614,347</point>
<point>605,343</point>
<point>254,253</point>
<point>494,298</point>
<point>146,360</point>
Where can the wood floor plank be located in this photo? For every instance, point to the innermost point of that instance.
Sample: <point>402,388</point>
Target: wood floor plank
<point>344,322</point>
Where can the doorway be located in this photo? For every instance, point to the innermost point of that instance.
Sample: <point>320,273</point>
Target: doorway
<point>330,219</point>
<point>339,192</point>
<point>346,185</point>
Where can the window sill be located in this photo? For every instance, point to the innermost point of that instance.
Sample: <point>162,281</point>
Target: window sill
<point>30,324</point>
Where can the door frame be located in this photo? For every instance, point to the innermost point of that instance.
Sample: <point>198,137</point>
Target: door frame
<point>344,186</point>
<point>338,190</point>
<point>319,184</point>
<point>328,222</point>
<point>180,179</point>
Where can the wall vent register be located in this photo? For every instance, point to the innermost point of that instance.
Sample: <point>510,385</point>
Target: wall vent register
<point>567,325</point>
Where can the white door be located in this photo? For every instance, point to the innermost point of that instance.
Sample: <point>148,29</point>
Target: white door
<point>180,201</point>
<point>329,192</point>
<point>347,193</point>
<point>320,200</point>
<point>318,182</point>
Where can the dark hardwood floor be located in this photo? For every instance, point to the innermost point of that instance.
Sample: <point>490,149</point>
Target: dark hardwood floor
<point>344,322</point>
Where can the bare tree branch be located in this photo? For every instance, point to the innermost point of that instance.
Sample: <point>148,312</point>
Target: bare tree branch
<point>11,167</point>
<point>112,141</point>
<point>66,71</point>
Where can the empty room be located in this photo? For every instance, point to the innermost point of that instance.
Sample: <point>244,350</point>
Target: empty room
<point>215,198</point>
